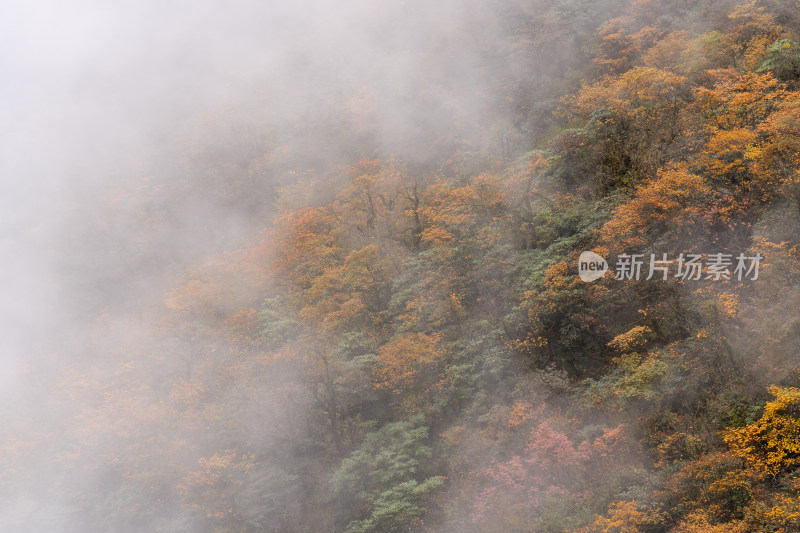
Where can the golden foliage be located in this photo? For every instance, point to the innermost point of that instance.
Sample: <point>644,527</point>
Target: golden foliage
<point>633,339</point>
<point>409,362</point>
<point>674,198</point>
<point>623,517</point>
<point>738,100</point>
<point>642,92</point>
<point>771,445</point>
<point>342,294</point>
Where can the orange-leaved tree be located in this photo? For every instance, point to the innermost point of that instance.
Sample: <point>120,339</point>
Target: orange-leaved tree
<point>670,204</point>
<point>410,363</point>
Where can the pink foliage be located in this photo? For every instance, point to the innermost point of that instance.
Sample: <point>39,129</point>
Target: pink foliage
<point>553,466</point>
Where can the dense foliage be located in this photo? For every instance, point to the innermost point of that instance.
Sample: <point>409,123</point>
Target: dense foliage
<point>414,350</point>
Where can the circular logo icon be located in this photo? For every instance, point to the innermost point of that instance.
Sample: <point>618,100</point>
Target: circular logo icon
<point>591,266</point>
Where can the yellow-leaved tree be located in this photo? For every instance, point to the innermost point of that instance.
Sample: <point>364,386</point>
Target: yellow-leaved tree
<point>771,445</point>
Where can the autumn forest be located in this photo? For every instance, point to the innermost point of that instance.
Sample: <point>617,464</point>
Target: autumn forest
<point>343,294</point>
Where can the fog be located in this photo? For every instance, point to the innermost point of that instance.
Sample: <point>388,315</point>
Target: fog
<point>125,128</point>
<point>98,98</point>
<point>308,266</point>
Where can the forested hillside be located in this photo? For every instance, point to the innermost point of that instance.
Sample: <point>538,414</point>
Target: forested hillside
<point>402,342</point>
